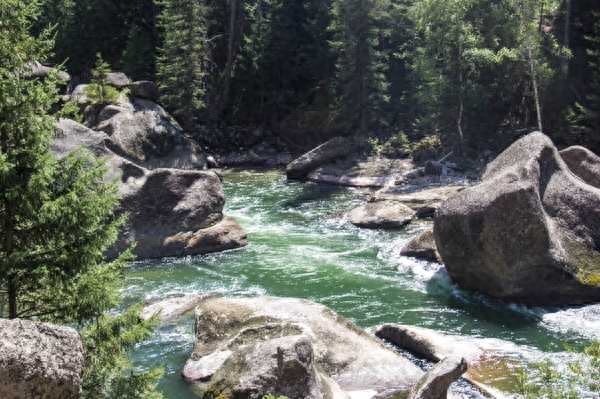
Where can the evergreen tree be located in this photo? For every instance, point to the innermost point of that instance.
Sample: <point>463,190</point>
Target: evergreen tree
<point>182,58</point>
<point>57,221</point>
<point>360,26</point>
<point>585,117</point>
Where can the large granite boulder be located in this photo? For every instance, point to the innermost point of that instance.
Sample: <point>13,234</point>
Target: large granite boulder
<point>584,163</point>
<point>171,212</point>
<point>118,80</point>
<point>249,347</point>
<point>39,360</point>
<point>146,134</point>
<point>530,232</point>
<point>386,215</point>
<point>337,147</point>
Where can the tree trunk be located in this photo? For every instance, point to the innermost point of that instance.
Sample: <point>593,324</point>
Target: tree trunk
<point>566,38</point>
<point>536,93</point>
<point>233,12</point>
<point>12,298</point>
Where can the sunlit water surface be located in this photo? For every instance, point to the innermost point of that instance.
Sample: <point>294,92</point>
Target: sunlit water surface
<point>301,245</point>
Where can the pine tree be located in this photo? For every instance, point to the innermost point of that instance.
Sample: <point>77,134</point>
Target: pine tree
<point>181,59</point>
<point>585,117</point>
<point>359,27</point>
<point>57,222</point>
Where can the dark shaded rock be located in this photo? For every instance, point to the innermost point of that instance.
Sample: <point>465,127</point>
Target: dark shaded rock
<point>530,232</point>
<point>144,89</point>
<point>382,214</point>
<point>39,360</point>
<point>434,168</point>
<point>302,350</point>
<point>336,148</point>
<point>584,163</point>
<point>422,247</point>
<point>435,383</point>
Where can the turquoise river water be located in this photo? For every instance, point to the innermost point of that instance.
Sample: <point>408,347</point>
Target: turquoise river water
<point>301,245</point>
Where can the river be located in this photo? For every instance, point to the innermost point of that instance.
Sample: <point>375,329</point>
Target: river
<point>301,245</point>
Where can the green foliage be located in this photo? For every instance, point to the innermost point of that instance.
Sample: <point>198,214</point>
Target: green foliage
<point>361,82</point>
<point>70,110</point>
<point>99,91</point>
<point>108,373</point>
<point>57,221</point>
<point>274,397</point>
<point>584,117</point>
<point>397,146</point>
<point>581,378</point>
<point>181,61</point>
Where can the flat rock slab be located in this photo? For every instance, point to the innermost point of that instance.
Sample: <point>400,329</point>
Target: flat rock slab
<point>330,353</point>
<point>383,214</point>
<point>423,201</point>
<point>371,172</point>
<point>39,360</point>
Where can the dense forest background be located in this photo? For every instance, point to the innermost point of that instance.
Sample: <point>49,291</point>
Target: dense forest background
<point>477,73</point>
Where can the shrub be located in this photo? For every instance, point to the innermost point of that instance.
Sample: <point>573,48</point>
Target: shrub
<point>397,146</point>
<point>99,91</point>
<point>427,148</point>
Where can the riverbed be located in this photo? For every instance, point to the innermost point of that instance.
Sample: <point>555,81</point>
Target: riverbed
<point>302,245</point>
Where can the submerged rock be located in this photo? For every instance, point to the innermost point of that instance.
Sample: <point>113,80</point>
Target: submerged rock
<point>169,309</point>
<point>39,360</point>
<point>530,232</point>
<point>336,148</point>
<point>422,247</point>
<point>249,347</point>
<point>172,212</point>
<point>436,382</point>
<point>387,215</point>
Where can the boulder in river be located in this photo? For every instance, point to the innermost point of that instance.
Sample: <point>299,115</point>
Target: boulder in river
<point>172,212</point>
<point>386,215</point>
<point>337,147</point>
<point>39,360</point>
<point>530,232</point>
<point>249,347</point>
<point>422,247</point>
